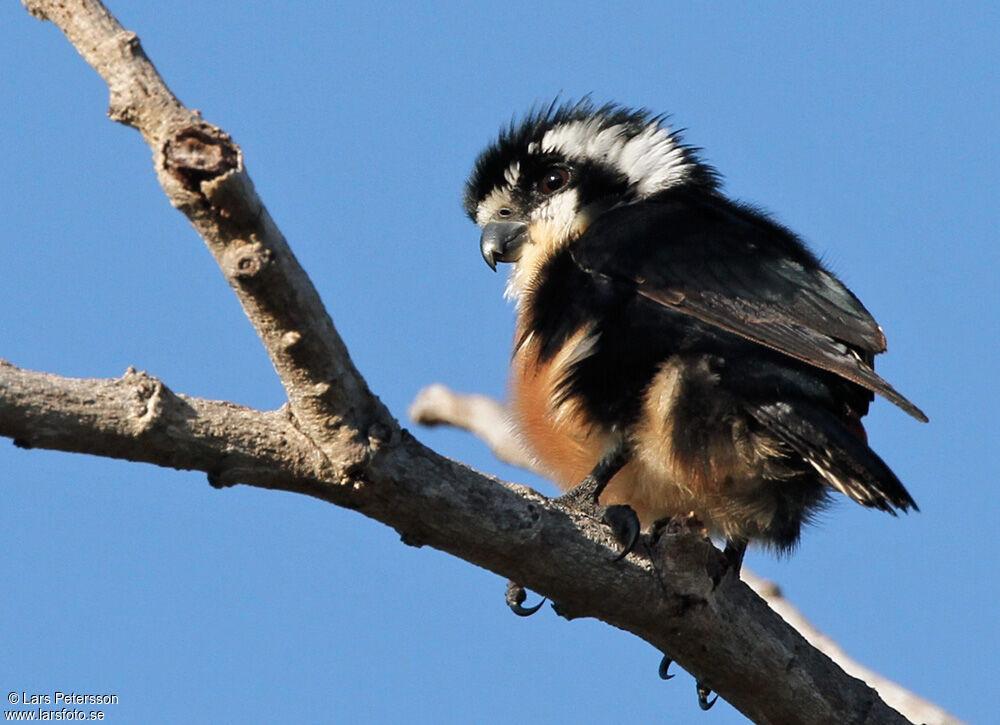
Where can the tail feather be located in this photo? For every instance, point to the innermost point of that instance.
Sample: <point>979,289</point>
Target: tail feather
<point>842,459</point>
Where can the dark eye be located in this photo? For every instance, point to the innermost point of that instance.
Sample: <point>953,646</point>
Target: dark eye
<point>553,180</point>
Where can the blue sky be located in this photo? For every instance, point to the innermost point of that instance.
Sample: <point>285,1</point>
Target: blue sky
<point>869,128</point>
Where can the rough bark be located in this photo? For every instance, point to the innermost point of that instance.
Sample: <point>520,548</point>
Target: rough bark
<point>336,441</point>
<point>488,420</point>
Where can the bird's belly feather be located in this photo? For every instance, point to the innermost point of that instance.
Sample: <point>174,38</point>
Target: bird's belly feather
<point>710,475</point>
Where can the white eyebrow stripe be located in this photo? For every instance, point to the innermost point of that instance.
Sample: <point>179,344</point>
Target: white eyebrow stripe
<point>582,139</point>
<point>652,160</point>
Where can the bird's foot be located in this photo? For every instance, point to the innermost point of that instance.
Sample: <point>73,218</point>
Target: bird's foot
<point>624,525</point>
<point>665,668</point>
<point>703,692</point>
<point>621,518</point>
<point>515,600</point>
<point>734,551</point>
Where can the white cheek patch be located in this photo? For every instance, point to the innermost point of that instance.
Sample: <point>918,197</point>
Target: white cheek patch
<point>552,226</point>
<point>652,160</point>
<point>560,215</point>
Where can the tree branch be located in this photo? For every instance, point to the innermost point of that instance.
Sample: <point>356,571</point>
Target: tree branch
<point>137,418</point>
<point>336,441</point>
<point>201,171</point>
<point>488,420</point>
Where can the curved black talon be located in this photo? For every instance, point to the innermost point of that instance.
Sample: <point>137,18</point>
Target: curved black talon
<point>665,668</point>
<point>734,551</point>
<point>515,598</point>
<point>703,693</point>
<point>625,525</point>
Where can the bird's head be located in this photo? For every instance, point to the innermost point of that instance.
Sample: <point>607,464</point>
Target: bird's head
<point>548,176</point>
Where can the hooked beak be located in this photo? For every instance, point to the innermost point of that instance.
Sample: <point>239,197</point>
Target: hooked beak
<point>502,242</point>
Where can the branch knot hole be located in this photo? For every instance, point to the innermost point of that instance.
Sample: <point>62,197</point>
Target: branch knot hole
<point>197,154</point>
<point>246,261</point>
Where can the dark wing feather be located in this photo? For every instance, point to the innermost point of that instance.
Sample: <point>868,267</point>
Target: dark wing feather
<point>733,268</point>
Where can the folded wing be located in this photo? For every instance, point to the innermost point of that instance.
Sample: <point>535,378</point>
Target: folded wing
<point>733,268</point>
